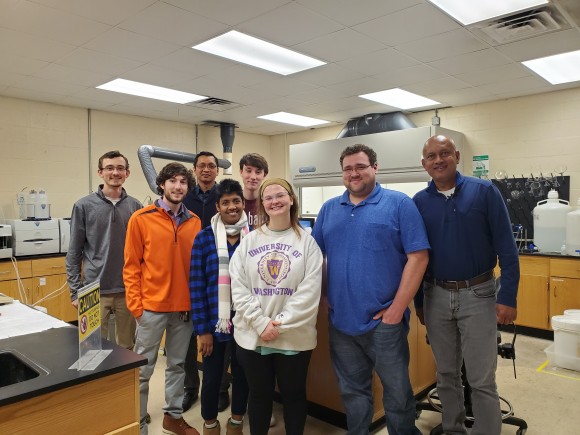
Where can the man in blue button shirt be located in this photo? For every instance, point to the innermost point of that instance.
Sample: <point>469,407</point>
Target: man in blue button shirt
<point>469,229</point>
<point>376,247</point>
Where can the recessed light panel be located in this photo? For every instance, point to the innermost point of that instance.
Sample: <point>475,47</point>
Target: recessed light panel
<point>150,91</point>
<point>400,98</point>
<point>469,12</point>
<point>559,68</point>
<point>261,54</point>
<point>290,118</point>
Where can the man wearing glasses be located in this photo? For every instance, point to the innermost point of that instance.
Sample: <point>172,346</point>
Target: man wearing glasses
<point>376,252</point>
<point>201,201</point>
<point>97,238</point>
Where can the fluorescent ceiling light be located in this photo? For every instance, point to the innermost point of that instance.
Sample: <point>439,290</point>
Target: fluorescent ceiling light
<point>469,12</point>
<point>290,118</point>
<point>149,91</point>
<point>559,68</point>
<point>399,98</point>
<point>253,51</point>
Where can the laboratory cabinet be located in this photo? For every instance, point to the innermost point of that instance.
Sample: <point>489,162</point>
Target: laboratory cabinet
<point>39,277</point>
<point>548,286</point>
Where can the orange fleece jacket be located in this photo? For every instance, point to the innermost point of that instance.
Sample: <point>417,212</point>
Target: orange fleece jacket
<point>157,260</point>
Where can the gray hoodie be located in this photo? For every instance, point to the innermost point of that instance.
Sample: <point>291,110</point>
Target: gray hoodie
<point>97,241</point>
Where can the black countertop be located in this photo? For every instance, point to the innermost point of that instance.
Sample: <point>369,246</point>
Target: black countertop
<point>56,350</point>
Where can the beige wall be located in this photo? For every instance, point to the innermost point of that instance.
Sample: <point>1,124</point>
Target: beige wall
<point>533,134</point>
<point>47,146</point>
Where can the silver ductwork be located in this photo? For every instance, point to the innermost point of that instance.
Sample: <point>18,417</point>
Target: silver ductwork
<point>146,152</point>
<point>376,123</point>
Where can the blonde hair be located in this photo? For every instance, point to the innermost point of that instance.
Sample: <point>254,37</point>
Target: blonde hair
<point>263,216</point>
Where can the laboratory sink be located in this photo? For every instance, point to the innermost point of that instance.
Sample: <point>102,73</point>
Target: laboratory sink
<point>15,368</point>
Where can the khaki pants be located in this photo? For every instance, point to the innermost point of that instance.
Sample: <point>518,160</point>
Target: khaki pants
<point>124,321</point>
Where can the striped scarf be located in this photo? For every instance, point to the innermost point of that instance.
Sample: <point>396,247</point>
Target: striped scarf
<point>221,233</point>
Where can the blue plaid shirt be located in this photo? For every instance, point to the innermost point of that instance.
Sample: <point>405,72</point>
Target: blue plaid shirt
<point>203,283</point>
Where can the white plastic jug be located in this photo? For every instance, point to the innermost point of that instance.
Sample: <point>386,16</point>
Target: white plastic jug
<point>573,231</point>
<point>550,223</point>
<point>31,204</point>
<point>42,207</point>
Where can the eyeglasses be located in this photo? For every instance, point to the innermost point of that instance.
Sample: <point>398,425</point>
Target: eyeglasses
<point>277,197</point>
<point>203,166</point>
<point>357,168</point>
<point>113,168</point>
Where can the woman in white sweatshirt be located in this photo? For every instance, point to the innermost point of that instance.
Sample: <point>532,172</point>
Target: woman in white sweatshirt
<point>276,277</point>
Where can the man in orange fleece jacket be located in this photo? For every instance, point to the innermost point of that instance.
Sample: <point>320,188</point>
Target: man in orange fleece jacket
<point>156,275</point>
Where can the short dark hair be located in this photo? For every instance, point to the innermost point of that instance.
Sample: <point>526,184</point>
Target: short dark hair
<point>172,170</point>
<point>359,148</point>
<point>255,160</point>
<point>112,155</point>
<point>228,186</point>
<point>204,153</point>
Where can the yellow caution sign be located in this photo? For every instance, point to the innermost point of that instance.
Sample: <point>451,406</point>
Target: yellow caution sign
<point>89,311</point>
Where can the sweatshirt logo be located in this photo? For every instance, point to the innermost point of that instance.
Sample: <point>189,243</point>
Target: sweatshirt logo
<point>273,267</point>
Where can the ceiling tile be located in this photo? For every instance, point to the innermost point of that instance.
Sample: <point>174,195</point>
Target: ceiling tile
<point>378,62</point>
<point>494,75</point>
<point>412,74</point>
<point>544,45</point>
<point>350,12</point>
<point>34,47</point>
<point>71,75</point>
<point>186,29</point>
<point>407,25</point>
<point>279,25</point>
<point>94,61</point>
<point>48,23</point>
<point>121,43</point>
<point>339,45</point>
<point>515,85</point>
<point>442,46</point>
<point>327,75</point>
<point>477,60</point>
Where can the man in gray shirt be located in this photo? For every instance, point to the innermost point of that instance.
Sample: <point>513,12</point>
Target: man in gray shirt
<point>97,239</point>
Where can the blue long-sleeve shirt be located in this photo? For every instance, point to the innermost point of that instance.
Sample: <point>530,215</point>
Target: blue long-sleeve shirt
<point>203,283</point>
<point>468,232</point>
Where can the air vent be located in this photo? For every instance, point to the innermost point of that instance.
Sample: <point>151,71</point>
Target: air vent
<point>522,25</point>
<point>217,104</point>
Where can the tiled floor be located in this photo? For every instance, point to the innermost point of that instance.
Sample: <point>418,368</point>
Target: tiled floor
<point>548,399</point>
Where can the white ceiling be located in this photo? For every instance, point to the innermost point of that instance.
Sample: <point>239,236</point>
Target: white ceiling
<point>58,51</point>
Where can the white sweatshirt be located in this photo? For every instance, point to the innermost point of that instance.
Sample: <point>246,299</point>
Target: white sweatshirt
<point>276,276</point>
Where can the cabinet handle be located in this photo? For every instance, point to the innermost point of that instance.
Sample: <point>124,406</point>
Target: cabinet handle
<point>57,267</point>
<point>5,272</point>
<point>555,288</point>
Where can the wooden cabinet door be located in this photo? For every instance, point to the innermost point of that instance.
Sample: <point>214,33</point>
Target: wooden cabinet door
<point>58,305</point>
<point>564,295</point>
<point>10,288</point>
<point>533,294</point>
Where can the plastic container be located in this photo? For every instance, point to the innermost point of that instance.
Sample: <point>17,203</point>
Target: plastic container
<point>573,231</point>
<point>31,204</point>
<point>550,223</point>
<point>42,207</point>
<point>573,312</point>
<point>561,360</point>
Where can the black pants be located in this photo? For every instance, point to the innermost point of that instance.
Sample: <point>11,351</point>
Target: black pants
<point>191,383</point>
<point>262,373</point>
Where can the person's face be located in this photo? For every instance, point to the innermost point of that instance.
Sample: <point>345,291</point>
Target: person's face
<point>276,201</point>
<point>440,160</point>
<point>252,177</point>
<point>174,189</point>
<point>230,208</point>
<point>114,172</point>
<point>358,175</point>
<point>206,170</point>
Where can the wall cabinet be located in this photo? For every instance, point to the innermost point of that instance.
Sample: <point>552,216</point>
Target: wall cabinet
<point>39,278</point>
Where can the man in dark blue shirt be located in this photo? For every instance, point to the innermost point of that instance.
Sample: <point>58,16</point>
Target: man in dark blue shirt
<point>469,229</point>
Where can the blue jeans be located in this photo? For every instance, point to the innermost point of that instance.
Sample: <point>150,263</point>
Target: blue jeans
<point>213,368</point>
<point>386,350</point>
<point>462,328</point>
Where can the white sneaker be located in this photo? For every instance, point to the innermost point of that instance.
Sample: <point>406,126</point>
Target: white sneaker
<point>273,421</point>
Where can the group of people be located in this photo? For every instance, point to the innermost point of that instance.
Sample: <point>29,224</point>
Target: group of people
<point>229,268</point>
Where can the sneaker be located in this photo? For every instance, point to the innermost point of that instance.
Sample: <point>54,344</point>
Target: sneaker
<point>177,426</point>
<point>189,398</point>
<point>213,431</point>
<point>273,421</point>
<point>223,401</point>
<point>234,429</point>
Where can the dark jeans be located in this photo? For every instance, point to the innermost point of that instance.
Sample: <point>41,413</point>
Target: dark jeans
<point>386,350</point>
<point>213,367</point>
<point>262,373</point>
<point>191,383</point>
